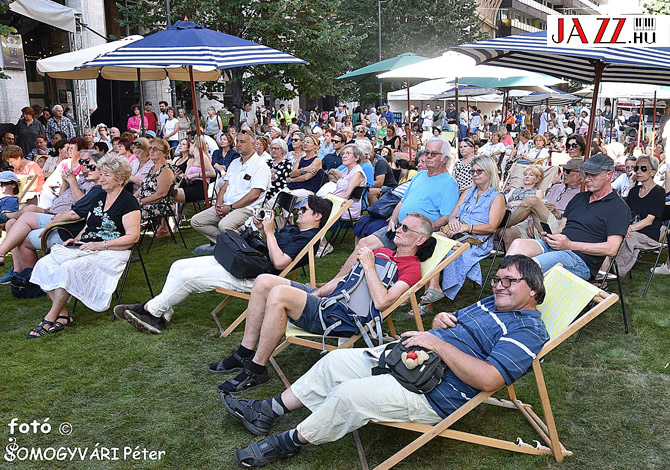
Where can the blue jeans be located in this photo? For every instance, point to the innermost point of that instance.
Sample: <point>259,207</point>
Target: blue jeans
<point>570,261</point>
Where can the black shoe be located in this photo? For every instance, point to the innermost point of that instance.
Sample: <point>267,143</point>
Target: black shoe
<point>261,453</point>
<point>146,322</point>
<point>120,310</point>
<point>248,382</point>
<point>220,368</point>
<point>254,414</point>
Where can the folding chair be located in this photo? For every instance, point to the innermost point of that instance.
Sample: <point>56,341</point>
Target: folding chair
<point>658,251</point>
<point>339,207</point>
<point>446,251</point>
<point>495,252</point>
<point>558,314</point>
<point>26,184</point>
<point>154,224</point>
<point>358,194</point>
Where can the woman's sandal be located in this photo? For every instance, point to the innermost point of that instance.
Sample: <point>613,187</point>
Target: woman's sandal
<point>431,296</point>
<point>59,325</point>
<point>40,330</point>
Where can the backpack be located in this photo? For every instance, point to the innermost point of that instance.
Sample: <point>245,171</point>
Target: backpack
<point>350,307</point>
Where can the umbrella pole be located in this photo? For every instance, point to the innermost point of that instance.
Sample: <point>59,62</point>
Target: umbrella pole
<point>409,126</point>
<point>143,131</point>
<point>653,126</point>
<point>598,67</point>
<point>457,121</point>
<point>198,131</point>
<point>639,124</point>
<point>467,113</point>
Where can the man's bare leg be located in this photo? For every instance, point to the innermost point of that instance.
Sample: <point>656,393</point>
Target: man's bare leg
<point>257,308</point>
<point>529,248</point>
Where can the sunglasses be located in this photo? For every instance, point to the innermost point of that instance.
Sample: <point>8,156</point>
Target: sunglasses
<point>7,183</point>
<point>574,145</point>
<point>405,228</point>
<point>476,172</point>
<point>91,167</point>
<point>296,140</point>
<point>338,141</point>
<point>84,161</point>
<point>135,144</point>
<point>505,281</point>
<point>567,171</point>
<point>155,149</point>
<point>642,168</point>
<point>304,209</point>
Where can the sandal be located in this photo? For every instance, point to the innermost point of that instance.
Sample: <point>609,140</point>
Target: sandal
<point>40,330</point>
<point>261,453</point>
<point>59,326</point>
<point>423,310</point>
<point>431,296</point>
<point>256,416</point>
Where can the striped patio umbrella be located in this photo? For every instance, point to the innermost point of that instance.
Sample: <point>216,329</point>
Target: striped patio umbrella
<point>585,64</point>
<point>554,98</point>
<point>185,50</point>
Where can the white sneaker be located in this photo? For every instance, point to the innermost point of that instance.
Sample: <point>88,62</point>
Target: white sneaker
<point>662,269</point>
<point>326,250</point>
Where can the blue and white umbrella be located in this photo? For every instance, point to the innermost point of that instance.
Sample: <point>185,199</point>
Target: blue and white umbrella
<point>585,64</point>
<point>189,51</point>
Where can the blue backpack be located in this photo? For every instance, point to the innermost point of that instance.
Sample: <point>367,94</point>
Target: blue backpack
<point>350,307</point>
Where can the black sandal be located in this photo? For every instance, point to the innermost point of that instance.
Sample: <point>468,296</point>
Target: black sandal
<point>40,330</point>
<point>261,453</point>
<point>60,326</point>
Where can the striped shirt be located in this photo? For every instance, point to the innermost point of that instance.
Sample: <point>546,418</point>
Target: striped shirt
<point>507,340</point>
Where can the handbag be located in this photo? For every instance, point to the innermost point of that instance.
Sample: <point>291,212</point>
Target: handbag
<point>238,257</point>
<point>383,208</point>
<point>420,375</point>
<point>22,288</point>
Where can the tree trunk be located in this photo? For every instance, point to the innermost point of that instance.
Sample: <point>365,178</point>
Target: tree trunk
<point>237,92</point>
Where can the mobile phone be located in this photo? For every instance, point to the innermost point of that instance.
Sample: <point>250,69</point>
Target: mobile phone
<point>545,227</point>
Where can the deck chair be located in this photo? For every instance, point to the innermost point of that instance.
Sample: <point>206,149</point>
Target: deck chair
<point>559,316</point>
<point>446,251</point>
<point>657,251</point>
<point>495,251</point>
<point>339,207</point>
<point>26,184</point>
<point>358,194</point>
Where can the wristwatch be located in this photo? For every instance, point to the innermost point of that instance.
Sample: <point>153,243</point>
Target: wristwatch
<point>302,171</point>
<point>470,231</point>
<point>232,208</point>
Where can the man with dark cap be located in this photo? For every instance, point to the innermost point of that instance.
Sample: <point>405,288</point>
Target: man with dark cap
<point>593,225</point>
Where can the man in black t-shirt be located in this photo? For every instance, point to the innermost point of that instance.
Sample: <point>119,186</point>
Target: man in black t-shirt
<point>204,273</point>
<point>593,226</point>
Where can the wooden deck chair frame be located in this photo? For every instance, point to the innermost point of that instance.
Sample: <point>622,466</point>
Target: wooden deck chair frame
<point>25,187</point>
<point>456,250</point>
<point>308,251</point>
<point>658,251</point>
<point>547,431</point>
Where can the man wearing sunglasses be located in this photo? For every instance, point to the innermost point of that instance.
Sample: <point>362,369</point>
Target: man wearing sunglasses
<point>484,346</point>
<point>275,300</point>
<point>204,273</point>
<point>593,225</point>
<point>550,209</point>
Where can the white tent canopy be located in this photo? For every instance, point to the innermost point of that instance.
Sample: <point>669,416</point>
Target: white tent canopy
<point>626,90</point>
<point>46,11</point>
<point>423,91</point>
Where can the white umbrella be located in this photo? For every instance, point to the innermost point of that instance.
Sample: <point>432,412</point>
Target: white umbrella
<point>626,90</point>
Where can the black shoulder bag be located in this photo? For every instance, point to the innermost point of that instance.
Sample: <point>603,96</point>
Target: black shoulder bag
<point>421,379</point>
<point>238,257</point>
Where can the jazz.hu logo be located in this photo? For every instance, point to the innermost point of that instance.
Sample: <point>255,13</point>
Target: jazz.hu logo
<point>599,31</point>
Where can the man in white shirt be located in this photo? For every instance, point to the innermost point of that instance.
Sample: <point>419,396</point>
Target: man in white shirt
<point>245,183</point>
<point>427,116</point>
<point>163,116</point>
<point>248,117</point>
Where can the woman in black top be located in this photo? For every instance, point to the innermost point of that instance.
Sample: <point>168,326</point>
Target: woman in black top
<point>392,138</point>
<point>646,202</point>
<point>90,265</point>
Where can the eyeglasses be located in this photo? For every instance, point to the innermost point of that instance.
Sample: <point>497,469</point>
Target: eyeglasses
<point>84,161</point>
<point>476,172</point>
<point>405,228</point>
<point>573,145</point>
<point>155,149</point>
<point>505,281</point>
<point>304,209</point>
<point>338,141</point>
<point>275,148</point>
<point>567,171</point>
<point>642,168</point>
<point>7,183</point>
<point>135,144</point>
<point>433,154</point>
<point>91,167</point>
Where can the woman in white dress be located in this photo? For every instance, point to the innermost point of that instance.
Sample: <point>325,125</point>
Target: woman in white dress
<point>89,266</point>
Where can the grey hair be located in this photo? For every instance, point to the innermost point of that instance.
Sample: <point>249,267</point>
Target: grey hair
<point>653,161</point>
<point>365,146</point>
<point>425,226</point>
<point>490,167</point>
<point>358,153</point>
<point>58,106</point>
<point>445,147</point>
<point>530,271</point>
<point>117,166</point>
<point>282,144</point>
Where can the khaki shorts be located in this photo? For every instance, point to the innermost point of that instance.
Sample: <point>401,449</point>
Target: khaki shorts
<point>552,221</point>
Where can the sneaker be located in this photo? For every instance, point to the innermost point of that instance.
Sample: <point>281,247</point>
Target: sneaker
<point>325,251</point>
<point>662,269</point>
<point>256,415</point>
<point>235,385</point>
<point>120,310</point>
<point>8,276</point>
<point>146,322</point>
<point>205,249</point>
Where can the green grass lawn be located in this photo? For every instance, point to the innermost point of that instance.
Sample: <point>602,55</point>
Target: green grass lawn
<point>119,387</point>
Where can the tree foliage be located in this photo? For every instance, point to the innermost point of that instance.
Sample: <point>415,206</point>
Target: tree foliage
<point>657,7</point>
<point>5,30</point>
<point>309,29</point>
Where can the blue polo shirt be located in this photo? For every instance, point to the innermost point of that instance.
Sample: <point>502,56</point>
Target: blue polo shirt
<point>433,196</point>
<point>507,340</point>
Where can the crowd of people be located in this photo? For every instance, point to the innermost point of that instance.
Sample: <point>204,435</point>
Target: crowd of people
<point>101,190</point>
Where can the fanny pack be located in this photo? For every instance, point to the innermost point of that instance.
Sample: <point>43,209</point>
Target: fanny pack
<point>417,369</point>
